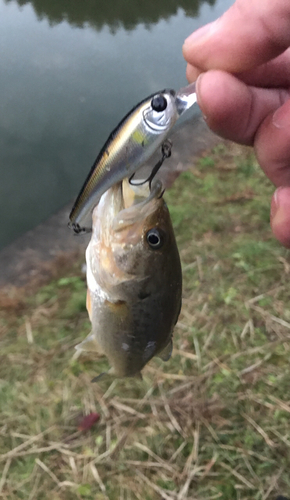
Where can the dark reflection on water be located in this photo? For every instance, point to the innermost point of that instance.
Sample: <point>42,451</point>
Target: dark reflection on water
<point>114,13</point>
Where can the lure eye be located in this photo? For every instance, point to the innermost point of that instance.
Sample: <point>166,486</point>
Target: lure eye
<point>159,103</point>
<point>154,238</point>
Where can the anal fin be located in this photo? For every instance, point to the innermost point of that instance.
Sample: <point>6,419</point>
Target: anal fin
<point>89,345</point>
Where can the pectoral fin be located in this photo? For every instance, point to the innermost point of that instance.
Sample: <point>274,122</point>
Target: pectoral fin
<point>89,345</point>
<point>89,304</point>
<point>165,355</point>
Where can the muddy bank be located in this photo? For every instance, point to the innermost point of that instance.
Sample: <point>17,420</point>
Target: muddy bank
<point>27,256</point>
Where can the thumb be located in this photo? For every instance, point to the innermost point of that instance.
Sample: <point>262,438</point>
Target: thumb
<point>250,33</point>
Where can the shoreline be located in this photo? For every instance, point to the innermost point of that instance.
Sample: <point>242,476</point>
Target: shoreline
<point>31,254</point>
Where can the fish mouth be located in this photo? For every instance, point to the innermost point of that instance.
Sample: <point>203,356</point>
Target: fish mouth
<point>132,194</point>
<point>185,98</point>
<point>124,205</point>
<point>140,194</point>
<point>138,202</point>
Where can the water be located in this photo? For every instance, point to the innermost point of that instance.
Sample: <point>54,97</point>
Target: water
<point>69,71</point>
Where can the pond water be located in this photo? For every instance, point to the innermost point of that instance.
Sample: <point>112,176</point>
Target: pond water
<point>69,71</point>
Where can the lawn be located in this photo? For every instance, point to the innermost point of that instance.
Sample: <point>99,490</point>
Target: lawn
<point>214,421</point>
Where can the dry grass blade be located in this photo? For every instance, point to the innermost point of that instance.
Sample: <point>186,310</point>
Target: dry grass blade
<point>4,474</point>
<point>209,466</point>
<point>147,464</point>
<point>197,350</point>
<point>284,406</point>
<point>35,487</point>
<point>247,328</point>
<point>15,451</point>
<point>209,338</point>
<point>184,354</point>
<point>270,292</point>
<point>169,413</point>
<point>210,429</point>
<point>29,333</point>
<point>182,495</point>
<point>157,458</point>
<point>237,475</point>
<point>281,321</point>
<point>122,440</point>
<point>188,470</point>
<point>179,450</point>
<point>256,350</point>
<point>45,449</point>
<point>244,451</point>
<point>49,472</point>
<point>154,487</point>
<point>167,376</point>
<point>273,484</point>
<point>96,475</point>
<point>196,435</point>
<point>110,389</point>
<point>249,369</point>
<point>262,311</point>
<point>282,438</point>
<point>199,267</point>
<point>181,326</point>
<point>259,429</point>
<point>128,409</point>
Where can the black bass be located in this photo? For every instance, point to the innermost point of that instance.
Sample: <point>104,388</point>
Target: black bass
<point>129,146</point>
<point>134,278</point>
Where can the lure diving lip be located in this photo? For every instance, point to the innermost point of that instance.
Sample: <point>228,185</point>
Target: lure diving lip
<point>129,146</point>
<point>186,97</point>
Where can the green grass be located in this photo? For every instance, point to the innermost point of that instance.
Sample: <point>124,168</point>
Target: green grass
<point>214,421</point>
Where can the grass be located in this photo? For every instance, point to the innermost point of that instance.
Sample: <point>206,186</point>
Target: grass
<point>214,421</point>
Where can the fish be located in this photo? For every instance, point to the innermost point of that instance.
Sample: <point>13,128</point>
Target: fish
<point>129,146</point>
<point>134,278</point>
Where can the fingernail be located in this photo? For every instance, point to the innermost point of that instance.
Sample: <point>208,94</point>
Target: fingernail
<point>280,215</point>
<point>198,95</point>
<point>201,32</point>
<point>281,117</point>
<point>275,202</point>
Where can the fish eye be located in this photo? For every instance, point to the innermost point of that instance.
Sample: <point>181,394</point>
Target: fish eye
<point>159,103</point>
<point>154,238</point>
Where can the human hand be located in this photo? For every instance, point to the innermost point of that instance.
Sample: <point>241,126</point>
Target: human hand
<point>243,90</point>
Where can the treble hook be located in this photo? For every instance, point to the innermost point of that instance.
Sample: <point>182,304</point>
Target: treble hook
<point>166,153</point>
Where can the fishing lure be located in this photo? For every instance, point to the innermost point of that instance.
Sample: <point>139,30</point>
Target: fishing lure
<point>128,147</point>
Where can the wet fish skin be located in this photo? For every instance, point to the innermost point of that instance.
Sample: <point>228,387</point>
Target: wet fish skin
<point>128,147</point>
<point>134,290</point>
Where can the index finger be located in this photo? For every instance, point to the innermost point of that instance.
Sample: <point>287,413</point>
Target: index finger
<point>250,33</point>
